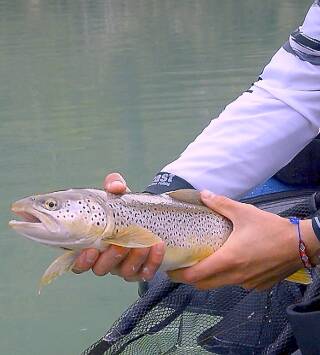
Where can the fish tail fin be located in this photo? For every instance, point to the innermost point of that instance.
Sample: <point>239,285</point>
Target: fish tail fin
<point>58,267</point>
<point>302,276</point>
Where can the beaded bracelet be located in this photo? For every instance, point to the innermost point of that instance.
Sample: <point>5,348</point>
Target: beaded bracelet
<point>302,247</point>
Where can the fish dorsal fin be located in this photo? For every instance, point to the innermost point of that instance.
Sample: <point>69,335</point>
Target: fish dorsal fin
<point>133,237</point>
<point>187,195</point>
<point>301,276</point>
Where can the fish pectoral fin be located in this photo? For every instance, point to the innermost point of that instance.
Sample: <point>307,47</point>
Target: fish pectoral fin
<point>58,267</point>
<point>133,237</point>
<point>302,276</point>
<point>187,195</point>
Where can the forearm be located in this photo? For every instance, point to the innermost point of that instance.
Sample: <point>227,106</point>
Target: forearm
<point>264,128</point>
<point>252,139</point>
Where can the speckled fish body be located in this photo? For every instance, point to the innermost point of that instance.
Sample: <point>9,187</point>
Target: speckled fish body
<point>82,218</point>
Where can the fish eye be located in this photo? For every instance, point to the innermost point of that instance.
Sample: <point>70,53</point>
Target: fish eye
<point>51,204</point>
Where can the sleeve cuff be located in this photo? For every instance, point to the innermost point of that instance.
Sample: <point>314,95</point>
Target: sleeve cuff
<point>165,182</point>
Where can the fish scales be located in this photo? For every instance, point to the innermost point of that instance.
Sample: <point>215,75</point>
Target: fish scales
<point>178,224</point>
<point>82,218</point>
<point>89,218</point>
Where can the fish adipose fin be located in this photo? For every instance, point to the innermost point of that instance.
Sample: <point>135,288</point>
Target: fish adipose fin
<point>133,237</point>
<point>187,195</point>
<point>302,276</point>
<point>59,266</point>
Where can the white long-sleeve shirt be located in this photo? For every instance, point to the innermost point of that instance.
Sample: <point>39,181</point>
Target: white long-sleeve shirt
<point>264,128</point>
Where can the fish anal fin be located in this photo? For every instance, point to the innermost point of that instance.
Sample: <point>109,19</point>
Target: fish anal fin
<point>177,257</point>
<point>59,266</point>
<point>301,276</point>
<point>187,195</point>
<point>133,237</point>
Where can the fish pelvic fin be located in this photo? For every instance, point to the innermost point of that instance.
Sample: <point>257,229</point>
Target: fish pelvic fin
<point>133,237</point>
<point>58,267</point>
<point>302,276</point>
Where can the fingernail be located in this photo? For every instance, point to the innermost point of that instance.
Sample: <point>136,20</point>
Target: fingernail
<point>118,256</point>
<point>206,194</point>
<point>115,184</point>
<point>145,274</point>
<point>133,268</point>
<point>90,256</point>
<point>77,271</point>
<point>159,248</point>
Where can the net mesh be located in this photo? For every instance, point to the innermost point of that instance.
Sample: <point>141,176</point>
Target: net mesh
<point>174,318</point>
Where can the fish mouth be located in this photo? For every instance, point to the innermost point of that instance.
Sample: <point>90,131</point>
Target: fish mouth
<point>26,217</point>
<point>31,220</point>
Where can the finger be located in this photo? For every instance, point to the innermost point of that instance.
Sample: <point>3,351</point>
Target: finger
<point>130,267</point>
<point>153,262</point>
<point>266,285</point>
<point>85,260</point>
<point>115,183</point>
<point>109,259</point>
<point>263,280</point>
<point>223,279</point>
<point>218,263</point>
<point>221,204</point>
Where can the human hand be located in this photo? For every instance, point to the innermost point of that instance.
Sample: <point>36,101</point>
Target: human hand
<point>131,264</point>
<point>262,249</point>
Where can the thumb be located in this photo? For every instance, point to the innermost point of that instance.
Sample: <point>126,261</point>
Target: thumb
<point>115,183</point>
<point>220,204</point>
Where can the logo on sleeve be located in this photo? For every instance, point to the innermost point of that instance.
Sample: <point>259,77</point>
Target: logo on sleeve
<point>164,179</point>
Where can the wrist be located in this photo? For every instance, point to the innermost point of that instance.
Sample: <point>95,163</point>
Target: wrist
<point>311,241</point>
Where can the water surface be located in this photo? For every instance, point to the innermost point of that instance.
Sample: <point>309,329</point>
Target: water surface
<point>89,87</point>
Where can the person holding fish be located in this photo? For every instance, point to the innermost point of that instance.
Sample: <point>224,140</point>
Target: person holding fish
<point>254,137</point>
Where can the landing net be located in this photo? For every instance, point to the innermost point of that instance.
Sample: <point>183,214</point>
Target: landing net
<point>172,318</point>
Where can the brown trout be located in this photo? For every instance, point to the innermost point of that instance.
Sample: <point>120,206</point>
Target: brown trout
<point>88,218</point>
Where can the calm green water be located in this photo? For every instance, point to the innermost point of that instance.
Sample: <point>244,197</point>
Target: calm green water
<point>89,87</point>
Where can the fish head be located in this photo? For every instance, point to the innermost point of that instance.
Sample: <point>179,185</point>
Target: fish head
<point>68,219</point>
